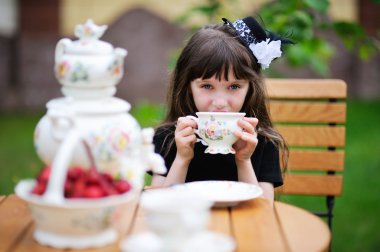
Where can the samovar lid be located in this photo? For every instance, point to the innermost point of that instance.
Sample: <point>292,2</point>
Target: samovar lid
<point>108,105</point>
<point>88,42</point>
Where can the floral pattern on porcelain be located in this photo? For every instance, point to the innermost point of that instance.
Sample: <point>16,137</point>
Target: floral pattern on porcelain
<point>214,130</point>
<point>115,68</point>
<point>220,150</point>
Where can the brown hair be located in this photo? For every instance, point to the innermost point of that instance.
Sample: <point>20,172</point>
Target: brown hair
<point>214,50</point>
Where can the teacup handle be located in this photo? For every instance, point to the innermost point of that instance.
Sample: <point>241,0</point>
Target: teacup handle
<point>199,139</point>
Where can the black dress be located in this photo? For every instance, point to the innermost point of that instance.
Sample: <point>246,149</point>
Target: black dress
<point>265,161</point>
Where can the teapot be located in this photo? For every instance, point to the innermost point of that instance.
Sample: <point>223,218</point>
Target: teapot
<point>88,68</point>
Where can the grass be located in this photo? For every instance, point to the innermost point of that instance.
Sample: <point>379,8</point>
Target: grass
<point>356,222</point>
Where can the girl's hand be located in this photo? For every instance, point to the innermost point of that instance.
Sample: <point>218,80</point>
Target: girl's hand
<point>185,138</point>
<point>247,140</point>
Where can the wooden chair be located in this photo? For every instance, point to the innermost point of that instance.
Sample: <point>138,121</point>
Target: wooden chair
<point>311,116</point>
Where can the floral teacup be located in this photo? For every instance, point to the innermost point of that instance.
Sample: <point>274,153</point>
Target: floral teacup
<point>217,130</point>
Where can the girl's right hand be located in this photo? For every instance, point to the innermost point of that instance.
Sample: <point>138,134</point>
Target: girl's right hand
<point>185,138</point>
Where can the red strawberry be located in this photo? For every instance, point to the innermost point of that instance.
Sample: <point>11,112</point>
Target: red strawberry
<point>108,177</point>
<point>92,176</point>
<point>75,173</point>
<point>122,186</point>
<point>39,188</point>
<point>69,185</point>
<point>44,175</point>
<point>93,191</point>
<point>78,188</point>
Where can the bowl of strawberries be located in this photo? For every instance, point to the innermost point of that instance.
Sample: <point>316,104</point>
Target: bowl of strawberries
<point>76,207</point>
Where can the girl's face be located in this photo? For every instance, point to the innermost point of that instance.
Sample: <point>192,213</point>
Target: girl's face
<point>214,95</point>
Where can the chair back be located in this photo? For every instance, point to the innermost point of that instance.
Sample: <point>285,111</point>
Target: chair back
<point>311,115</point>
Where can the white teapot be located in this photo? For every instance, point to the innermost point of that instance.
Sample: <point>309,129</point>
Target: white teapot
<point>88,68</point>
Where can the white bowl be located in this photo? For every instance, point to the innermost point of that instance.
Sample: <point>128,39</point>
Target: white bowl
<point>75,223</point>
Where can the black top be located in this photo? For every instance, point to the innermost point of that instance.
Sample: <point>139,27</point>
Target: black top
<point>265,161</point>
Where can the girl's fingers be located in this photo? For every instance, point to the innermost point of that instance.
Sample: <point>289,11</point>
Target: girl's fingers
<point>186,140</point>
<point>184,122</point>
<point>248,124</point>
<point>184,132</point>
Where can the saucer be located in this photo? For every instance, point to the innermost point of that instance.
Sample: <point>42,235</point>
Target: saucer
<point>222,193</point>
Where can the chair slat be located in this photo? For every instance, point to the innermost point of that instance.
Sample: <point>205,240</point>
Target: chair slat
<point>316,160</point>
<point>323,112</point>
<point>306,88</point>
<point>315,136</point>
<point>301,184</point>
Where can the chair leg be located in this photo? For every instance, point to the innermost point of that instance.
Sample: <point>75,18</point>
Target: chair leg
<point>330,200</point>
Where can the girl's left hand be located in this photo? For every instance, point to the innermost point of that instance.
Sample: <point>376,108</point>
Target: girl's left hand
<point>247,139</point>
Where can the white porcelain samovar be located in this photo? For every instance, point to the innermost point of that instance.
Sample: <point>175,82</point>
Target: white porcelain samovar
<point>89,70</point>
<point>90,128</point>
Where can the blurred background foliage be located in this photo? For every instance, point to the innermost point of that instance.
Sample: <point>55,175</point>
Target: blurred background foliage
<point>302,21</point>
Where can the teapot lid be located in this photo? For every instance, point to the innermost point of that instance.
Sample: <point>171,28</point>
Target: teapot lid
<point>89,43</point>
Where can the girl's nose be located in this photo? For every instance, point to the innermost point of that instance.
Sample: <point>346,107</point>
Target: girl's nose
<point>219,102</point>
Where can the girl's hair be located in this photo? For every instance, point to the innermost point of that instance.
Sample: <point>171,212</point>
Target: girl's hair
<point>214,50</point>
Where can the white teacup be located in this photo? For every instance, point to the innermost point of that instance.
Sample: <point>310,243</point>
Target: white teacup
<point>175,216</point>
<point>217,130</point>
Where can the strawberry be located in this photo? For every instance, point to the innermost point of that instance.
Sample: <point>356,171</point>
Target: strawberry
<point>39,188</point>
<point>75,172</point>
<point>108,177</point>
<point>84,183</point>
<point>78,188</point>
<point>44,175</point>
<point>93,191</point>
<point>93,176</point>
<point>122,186</point>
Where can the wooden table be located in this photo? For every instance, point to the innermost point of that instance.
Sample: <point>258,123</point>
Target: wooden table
<point>254,225</point>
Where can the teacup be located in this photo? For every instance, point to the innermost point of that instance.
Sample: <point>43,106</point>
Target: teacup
<point>216,129</point>
<point>175,216</point>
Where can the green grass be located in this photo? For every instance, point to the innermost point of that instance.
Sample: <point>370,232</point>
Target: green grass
<point>357,219</point>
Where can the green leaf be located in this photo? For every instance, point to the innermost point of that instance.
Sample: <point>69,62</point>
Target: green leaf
<point>319,5</point>
<point>320,66</point>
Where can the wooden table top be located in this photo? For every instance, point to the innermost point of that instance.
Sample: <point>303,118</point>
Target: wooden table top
<point>254,224</point>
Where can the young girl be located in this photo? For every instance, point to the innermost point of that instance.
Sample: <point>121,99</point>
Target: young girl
<point>219,70</point>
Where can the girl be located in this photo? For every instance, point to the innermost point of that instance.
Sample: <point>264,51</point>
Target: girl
<point>219,70</point>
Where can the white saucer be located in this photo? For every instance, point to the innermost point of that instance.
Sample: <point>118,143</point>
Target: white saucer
<point>222,193</point>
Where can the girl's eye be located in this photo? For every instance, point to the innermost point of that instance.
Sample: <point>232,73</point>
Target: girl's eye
<point>234,86</point>
<point>206,86</point>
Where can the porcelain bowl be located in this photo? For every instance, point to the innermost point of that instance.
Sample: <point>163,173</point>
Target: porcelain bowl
<point>75,223</point>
